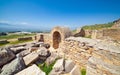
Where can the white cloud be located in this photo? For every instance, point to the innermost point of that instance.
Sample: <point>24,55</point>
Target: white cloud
<point>24,23</point>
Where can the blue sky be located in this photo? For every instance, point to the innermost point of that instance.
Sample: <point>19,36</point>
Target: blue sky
<point>45,14</point>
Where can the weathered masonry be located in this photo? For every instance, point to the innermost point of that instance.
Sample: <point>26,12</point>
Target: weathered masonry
<point>58,35</point>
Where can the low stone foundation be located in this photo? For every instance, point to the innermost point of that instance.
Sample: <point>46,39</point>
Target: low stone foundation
<point>25,38</point>
<point>3,41</point>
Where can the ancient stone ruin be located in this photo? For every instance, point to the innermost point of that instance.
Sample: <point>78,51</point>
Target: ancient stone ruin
<point>116,24</point>
<point>72,54</point>
<point>80,32</point>
<point>58,35</point>
<point>24,38</point>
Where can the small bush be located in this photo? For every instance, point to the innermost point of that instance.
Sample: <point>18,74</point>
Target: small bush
<point>46,68</point>
<point>83,72</point>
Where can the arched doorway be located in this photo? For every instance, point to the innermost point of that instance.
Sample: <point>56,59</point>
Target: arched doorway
<point>56,39</point>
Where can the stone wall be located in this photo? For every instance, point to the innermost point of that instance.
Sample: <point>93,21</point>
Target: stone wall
<point>105,60</point>
<point>97,56</point>
<point>78,49</point>
<point>3,41</point>
<point>97,34</point>
<point>48,38</point>
<point>24,38</point>
<point>88,33</point>
<point>113,34</point>
<point>116,24</point>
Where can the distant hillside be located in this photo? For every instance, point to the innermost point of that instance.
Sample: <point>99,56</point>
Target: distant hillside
<point>5,27</point>
<point>98,26</point>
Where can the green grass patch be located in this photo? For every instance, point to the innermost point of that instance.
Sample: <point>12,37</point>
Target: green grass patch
<point>98,26</point>
<point>46,68</point>
<point>3,44</point>
<point>14,36</point>
<point>15,42</point>
<point>88,36</point>
<point>83,72</point>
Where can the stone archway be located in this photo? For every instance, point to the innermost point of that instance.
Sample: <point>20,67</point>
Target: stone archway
<point>56,39</point>
<point>58,35</point>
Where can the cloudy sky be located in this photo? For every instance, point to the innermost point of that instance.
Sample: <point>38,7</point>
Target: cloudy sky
<point>45,14</point>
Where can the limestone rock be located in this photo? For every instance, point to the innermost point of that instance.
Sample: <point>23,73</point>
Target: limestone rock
<point>58,68</point>
<point>69,64</point>
<point>6,56</point>
<point>13,67</point>
<point>53,56</point>
<point>104,62</point>
<point>43,52</point>
<point>32,70</point>
<point>24,53</point>
<point>4,41</point>
<point>30,58</point>
<point>47,45</point>
<point>59,65</point>
<point>108,47</point>
<point>0,70</point>
<point>87,41</point>
<point>17,49</point>
<point>75,71</point>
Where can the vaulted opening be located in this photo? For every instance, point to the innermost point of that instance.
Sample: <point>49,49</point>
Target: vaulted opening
<point>56,39</point>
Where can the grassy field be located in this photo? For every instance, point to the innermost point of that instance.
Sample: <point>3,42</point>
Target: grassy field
<point>12,38</point>
<point>98,26</point>
<point>15,42</point>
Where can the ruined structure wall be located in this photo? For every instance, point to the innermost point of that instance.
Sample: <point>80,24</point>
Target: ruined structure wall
<point>64,32</point>
<point>77,50</point>
<point>99,58</point>
<point>116,24</point>
<point>112,33</point>
<point>48,38</point>
<point>58,35</point>
<point>88,33</point>
<point>97,34</point>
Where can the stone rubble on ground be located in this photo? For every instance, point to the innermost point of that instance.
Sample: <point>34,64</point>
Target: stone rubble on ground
<point>17,49</point>
<point>63,67</point>
<point>32,70</point>
<point>6,56</point>
<point>13,67</point>
<point>51,59</point>
<point>30,58</point>
<point>97,56</point>
<point>24,53</point>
